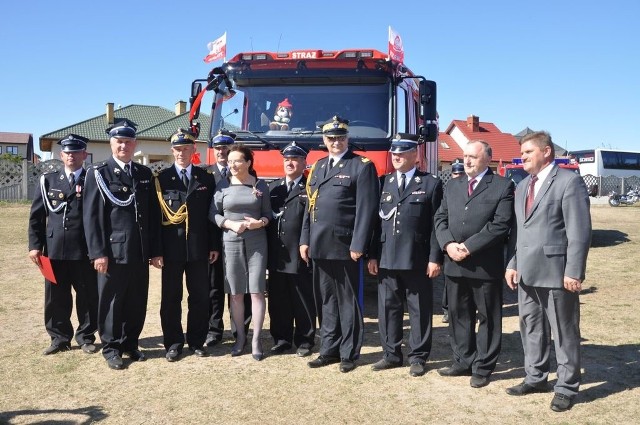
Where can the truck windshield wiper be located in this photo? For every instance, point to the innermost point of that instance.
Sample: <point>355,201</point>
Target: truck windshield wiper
<point>264,141</point>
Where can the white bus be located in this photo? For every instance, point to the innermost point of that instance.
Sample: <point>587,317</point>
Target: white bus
<point>607,162</point>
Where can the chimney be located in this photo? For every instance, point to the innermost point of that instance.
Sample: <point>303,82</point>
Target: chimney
<point>181,107</point>
<point>109,113</point>
<point>473,123</point>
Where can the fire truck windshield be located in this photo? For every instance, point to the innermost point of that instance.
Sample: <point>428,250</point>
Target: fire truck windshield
<point>278,112</point>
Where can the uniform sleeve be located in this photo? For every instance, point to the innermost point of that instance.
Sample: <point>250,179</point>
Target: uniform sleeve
<point>94,218</point>
<point>37,221</point>
<point>155,222</point>
<point>435,253</point>
<point>367,201</point>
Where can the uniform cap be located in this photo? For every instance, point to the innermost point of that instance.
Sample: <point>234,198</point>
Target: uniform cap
<point>224,138</point>
<point>182,137</point>
<point>403,142</point>
<point>73,143</point>
<point>294,150</point>
<point>122,128</point>
<point>335,127</point>
<point>457,166</point>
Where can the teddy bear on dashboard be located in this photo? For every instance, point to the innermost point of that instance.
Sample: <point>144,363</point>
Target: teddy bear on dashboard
<point>283,114</point>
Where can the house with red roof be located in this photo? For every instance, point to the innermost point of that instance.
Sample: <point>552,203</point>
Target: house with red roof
<point>451,142</point>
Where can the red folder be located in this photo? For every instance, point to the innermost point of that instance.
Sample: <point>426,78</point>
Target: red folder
<point>47,270</point>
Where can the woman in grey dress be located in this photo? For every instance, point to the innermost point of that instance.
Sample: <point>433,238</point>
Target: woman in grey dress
<point>241,207</point>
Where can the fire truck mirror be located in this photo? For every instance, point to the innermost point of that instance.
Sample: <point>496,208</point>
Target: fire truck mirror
<point>196,88</point>
<point>428,132</point>
<point>428,101</point>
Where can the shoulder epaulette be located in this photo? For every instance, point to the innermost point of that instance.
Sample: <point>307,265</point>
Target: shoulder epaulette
<point>99,165</point>
<point>364,159</point>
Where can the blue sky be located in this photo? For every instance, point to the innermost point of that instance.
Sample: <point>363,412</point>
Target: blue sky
<point>567,67</point>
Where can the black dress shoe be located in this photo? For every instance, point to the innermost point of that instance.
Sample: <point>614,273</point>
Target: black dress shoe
<point>561,403</point>
<point>115,362</point>
<point>280,348</point>
<point>479,381</point>
<point>454,370</point>
<point>523,389</point>
<point>303,351</point>
<point>173,355</point>
<point>89,348</point>
<point>384,364</point>
<point>322,361</point>
<point>212,341</point>
<point>136,355</point>
<point>238,350</point>
<point>53,349</point>
<point>199,351</point>
<point>347,365</point>
<point>417,369</point>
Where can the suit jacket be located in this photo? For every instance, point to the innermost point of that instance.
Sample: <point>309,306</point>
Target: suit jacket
<point>59,235</point>
<point>405,238</point>
<point>124,233</point>
<point>286,226</point>
<point>342,207</point>
<point>554,240</point>
<point>482,221</point>
<point>177,244</point>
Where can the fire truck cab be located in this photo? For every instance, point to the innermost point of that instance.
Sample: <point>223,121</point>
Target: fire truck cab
<point>380,97</point>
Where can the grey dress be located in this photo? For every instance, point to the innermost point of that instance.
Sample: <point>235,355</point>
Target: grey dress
<point>245,254</point>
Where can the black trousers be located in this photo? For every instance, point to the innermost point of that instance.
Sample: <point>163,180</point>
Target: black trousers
<point>197,282</point>
<point>123,292</point>
<point>394,289</point>
<point>216,303</point>
<point>471,299</point>
<point>58,302</point>
<point>335,284</point>
<point>291,302</point>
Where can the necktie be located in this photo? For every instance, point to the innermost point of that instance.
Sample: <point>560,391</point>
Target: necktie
<point>126,170</point>
<point>185,180</point>
<point>472,185</point>
<point>531,196</point>
<point>290,186</point>
<point>329,167</point>
<point>223,172</point>
<point>403,182</point>
<point>72,180</point>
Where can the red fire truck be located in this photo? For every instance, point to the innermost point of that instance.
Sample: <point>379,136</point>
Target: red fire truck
<point>515,170</point>
<point>380,97</point>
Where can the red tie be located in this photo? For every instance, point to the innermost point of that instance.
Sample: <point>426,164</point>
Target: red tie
<point>472,184</point>
<point>531,195</point>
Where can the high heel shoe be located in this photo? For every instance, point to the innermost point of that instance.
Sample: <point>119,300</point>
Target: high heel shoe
<point>238,350</point>
<point>259,356</point>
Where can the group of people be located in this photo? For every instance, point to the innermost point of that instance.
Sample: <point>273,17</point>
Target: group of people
<point>224,230</point>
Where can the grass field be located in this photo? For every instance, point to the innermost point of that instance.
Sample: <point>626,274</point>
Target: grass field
<point>76,388</point>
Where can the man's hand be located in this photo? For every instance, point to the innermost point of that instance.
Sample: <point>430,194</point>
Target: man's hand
<point>304,253</point>
<point>511,276</point>
<point>372,265</point>
<point>572,285</point>
<point>355,256</point>
<point>457,251</point>
<point>213,256</point>
<point>433,270</point>
<point>34,255</point>
<point>157,262</point>
<point>101,264</point>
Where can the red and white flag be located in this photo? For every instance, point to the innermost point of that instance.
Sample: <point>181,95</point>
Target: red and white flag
<point>217,49</point>
<point>396,50</point>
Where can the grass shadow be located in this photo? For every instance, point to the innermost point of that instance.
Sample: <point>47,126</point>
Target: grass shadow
<point>85,415</point>
<point>601,238</point>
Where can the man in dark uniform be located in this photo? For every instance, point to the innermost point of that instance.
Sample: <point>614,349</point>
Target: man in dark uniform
<point>220,171</point>
<point>290,280</point>
<point>55,230</point>
<point>189,245</point>
<point>122,226</point>
<point>472,225</point>
<point>457,170</point>
<point>343,195</point>
<point>405,256</point>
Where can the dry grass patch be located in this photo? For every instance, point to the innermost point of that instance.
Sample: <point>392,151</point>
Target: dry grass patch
<point>74,387</point>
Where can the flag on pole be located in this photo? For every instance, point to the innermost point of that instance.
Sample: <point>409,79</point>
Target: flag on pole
<point>217,49</point>
<point>396,50</point>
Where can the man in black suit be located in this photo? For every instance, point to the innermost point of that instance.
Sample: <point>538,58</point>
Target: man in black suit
<point>220,171</point>
<point>290,280</point>
<point>405,256</point>
<point>472,225</point>
<point>55,230</point>
<point>190,243</point>
<point>122,226</point>
<point>343,194</point>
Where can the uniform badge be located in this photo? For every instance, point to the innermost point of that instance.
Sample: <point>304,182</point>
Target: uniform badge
<point>417,179</point>
<point>54,203</point>
<point>340,165</point>
<point>61,177</point>
<point>173,178</point>
<point>61,195</point>
<point>388,198</point>
<point>124,189</point>
<point>391,179</point>
<point>116,171</point>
